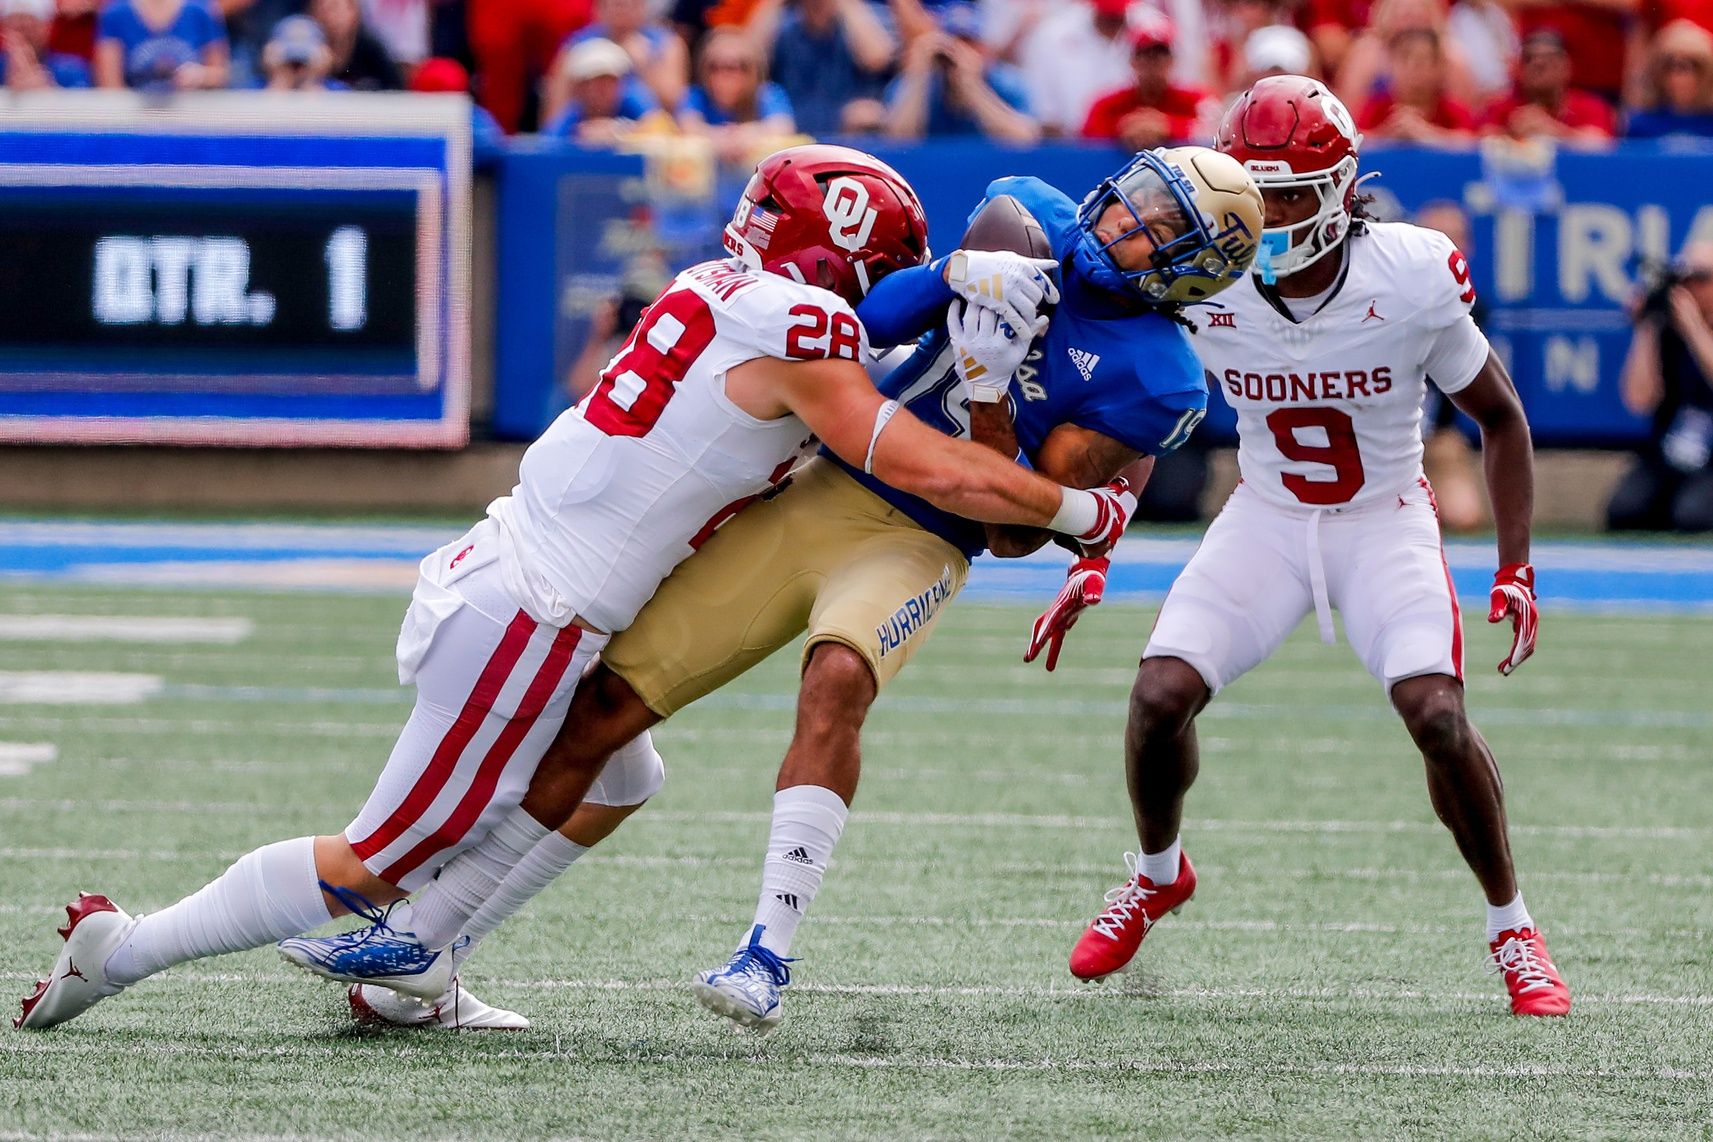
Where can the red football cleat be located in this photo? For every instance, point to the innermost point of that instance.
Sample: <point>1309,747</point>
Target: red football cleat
<point>1135,906</point>
<point>1530,976</point>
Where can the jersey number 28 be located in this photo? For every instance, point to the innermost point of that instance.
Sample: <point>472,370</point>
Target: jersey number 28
<point>640,379</point>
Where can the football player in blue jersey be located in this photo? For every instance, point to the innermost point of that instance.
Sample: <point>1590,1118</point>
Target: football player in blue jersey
<point>1103,386</point>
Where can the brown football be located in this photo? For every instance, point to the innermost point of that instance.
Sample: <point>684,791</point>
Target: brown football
<point>1003,224</point>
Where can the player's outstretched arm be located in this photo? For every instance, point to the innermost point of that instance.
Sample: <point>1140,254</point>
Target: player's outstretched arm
<point>1077,457</point>
<point>835,398</point>
<point>1507,455</point>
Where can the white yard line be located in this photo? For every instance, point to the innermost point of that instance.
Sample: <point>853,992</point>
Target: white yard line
<point>1099,872</point>
<point>180,726</point>
<point>18,758</point>
<point>76,688</point>
<point>343,1052</point>
<point>1179,923</point>
<point>1068,992</point>
<point>124,628</point>
<point>921,820</point>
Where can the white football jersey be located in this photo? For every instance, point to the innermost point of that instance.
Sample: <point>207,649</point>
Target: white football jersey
<point>1329,408</point>
<point>623,487</point>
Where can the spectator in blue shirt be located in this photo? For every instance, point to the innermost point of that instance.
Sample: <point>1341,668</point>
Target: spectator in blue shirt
<point>734,103</point>
<point>661,62</point>
<point>949,87</point>
<point>1679,84</point>
<point>160,45</point>
<point>26,64</point>
<point>600,107</point>
<point>830,57</point>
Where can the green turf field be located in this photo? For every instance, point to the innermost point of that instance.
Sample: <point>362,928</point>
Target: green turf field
<point>1326,980</point>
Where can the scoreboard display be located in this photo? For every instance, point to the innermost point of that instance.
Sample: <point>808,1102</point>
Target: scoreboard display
<point>214,272</point>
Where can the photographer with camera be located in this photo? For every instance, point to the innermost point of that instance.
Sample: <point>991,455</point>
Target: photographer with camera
<point>1669,374</point>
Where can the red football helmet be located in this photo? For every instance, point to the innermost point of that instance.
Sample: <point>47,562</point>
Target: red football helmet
<point>828,216</point>
<point>1290,131</point>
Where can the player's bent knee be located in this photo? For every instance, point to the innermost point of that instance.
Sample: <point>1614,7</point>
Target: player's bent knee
<point>1432,709</point>
<point>840,674</point>
<point>1168,693</point>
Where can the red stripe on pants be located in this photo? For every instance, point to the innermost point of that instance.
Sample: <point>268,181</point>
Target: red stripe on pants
<point>487,778</point>
<point>445,760</point>
<point>1451,589</point>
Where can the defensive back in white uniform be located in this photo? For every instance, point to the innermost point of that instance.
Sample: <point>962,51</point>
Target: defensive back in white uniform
<point>1333,511</point>
<point>1329,396</point>
<point>1326,355</point>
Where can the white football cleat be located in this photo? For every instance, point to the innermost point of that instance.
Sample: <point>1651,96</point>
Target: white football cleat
<point>456,1010</point>
<point>94,930</point>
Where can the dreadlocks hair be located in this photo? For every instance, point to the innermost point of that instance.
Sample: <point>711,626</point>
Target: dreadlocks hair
<point>1176,313</point>
<point>1360,215</point>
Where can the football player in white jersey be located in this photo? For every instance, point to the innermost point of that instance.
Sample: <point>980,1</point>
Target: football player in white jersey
<point>1324,355</point>
<point>732,371</point>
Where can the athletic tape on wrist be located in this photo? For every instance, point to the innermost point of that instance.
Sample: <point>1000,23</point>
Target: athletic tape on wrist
<point>1079,511</point>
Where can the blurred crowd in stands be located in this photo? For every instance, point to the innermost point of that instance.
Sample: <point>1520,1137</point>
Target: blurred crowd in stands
<point>745,74</point>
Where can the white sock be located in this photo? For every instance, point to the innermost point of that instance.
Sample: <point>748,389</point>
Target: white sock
<point>1162,867</point>
<point>1512,917</point>
<point>807,821</point>
<point>467,880</point>
<point>539,867</point>
<point>267,895</point>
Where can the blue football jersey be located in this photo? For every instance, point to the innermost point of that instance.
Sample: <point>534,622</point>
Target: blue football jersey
<point>1104,364</point>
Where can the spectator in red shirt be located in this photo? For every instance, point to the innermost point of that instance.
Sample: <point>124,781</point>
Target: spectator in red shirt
<point>1543,104</point>
<point>1153,110</point>
<point>515,42</point>
<point>1332,25</point>
<point>1363,73</point>
<point>73,29</point>
<point>1231,24</point>
<point>1595,34</point>
<point>1417,108</point>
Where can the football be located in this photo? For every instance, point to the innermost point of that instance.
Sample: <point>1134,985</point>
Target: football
<point>1003,224</point>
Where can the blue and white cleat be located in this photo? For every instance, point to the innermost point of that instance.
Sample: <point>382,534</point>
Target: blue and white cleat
<point>387,952</point>
<point>746,990</point>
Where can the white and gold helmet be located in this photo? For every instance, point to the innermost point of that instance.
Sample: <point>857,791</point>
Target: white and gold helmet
<point>1201,212</point>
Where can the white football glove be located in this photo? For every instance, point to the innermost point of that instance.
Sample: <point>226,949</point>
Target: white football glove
<point>1011,285</point>
<point>985,354</point>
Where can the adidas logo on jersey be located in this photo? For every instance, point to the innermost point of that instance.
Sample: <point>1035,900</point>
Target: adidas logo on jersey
<point>1084,361</point>
<point>800,855</point>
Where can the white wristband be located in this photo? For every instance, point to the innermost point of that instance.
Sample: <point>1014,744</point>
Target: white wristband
<point>1079,511</point>
<point>881,415</point>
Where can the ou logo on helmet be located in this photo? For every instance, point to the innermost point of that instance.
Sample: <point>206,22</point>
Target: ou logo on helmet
<point>1339,114</point>
<point>850,219</point>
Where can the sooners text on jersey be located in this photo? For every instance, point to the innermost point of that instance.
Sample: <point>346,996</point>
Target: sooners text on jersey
<point>1329,408</point>
<point>623,487</point>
